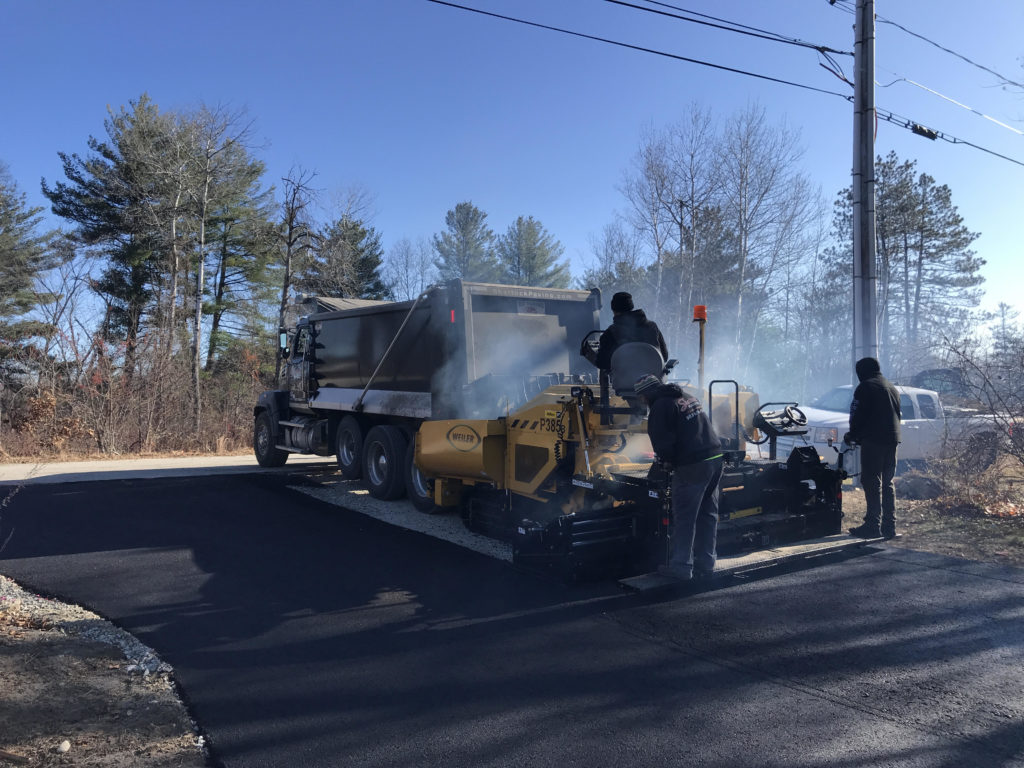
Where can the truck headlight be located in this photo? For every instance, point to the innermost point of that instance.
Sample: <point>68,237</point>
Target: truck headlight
<point>824,434</point>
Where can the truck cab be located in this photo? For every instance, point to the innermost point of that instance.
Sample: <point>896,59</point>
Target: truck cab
<point>923,427</point>
<point>298,359</point>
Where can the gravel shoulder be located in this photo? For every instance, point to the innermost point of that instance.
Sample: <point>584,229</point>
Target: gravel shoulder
<point>79,691</point>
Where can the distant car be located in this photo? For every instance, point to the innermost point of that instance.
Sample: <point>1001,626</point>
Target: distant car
<point>926,427</point>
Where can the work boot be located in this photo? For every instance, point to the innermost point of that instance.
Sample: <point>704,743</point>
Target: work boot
<point>867,531</point>
<point>888,529</point>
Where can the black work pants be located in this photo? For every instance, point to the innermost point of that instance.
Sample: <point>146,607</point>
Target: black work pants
<point>695,495</point>
<point>877,468</point>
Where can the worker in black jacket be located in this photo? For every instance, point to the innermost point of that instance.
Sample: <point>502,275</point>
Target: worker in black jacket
<point>875,425</point>
<point>682,436</point>
<point>628,324</point>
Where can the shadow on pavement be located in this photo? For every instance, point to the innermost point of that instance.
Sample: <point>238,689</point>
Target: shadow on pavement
<point>303,633</point>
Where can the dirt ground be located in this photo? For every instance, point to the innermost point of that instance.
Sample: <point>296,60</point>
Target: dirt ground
<point>66,700</point>
<point>995,536</point>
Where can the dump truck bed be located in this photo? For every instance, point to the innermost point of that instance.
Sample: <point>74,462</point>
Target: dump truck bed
<point>459,335</point>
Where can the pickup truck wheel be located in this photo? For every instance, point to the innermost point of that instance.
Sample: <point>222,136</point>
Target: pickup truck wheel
<point>418,486</point>
<point>349,448</point>
<point>384,462</point>
<point>263,443</point>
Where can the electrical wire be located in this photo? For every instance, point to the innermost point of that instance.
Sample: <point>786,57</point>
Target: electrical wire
<point>630,46</point>
<point>843,6</point>
<point>910,125</point>
<point>728,26</point>
<point>908,81</point>
<point>1006,80</point>
<point>880,113</point>
<point>833,67</point>
<point>848,7</point>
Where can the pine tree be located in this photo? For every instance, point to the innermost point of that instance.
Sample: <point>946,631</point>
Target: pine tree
<point>529,255</point>
<point>928,276</point>
<point>24,254</point>
<point>242,245</point>
<point>466,250</point>
<point>345,262</point>
<point>109,196</point>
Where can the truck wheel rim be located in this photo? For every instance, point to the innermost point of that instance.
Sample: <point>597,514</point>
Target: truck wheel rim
<point>347,449</point>
<point>378,464</point>
<point>420,484</point>
<point>262,438</point>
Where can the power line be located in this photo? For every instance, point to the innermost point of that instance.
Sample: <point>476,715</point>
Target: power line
<point>833,67</point>
<point>928,133</point>
<point>950,51</point>
<point>951,100</point>
<point>888,116</point>
<point>728,26</point>
<point>630,46</point>
<point>845,5</point>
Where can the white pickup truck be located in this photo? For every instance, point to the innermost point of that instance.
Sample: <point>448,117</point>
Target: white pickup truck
<point>927,429</point>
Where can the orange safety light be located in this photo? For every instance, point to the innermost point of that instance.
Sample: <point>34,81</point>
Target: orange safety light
<point>453,315</point>
<point>700,313</point>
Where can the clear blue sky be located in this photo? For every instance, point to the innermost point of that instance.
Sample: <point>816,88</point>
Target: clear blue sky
<point>425,106</point>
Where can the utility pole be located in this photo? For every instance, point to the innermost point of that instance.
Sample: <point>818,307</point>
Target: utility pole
<point>865,278</point>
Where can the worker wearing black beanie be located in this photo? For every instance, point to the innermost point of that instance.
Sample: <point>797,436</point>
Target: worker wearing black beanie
<point>628,324</point>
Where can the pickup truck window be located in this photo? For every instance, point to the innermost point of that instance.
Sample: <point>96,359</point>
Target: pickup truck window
<point>837,399</point>
<point>928,407</point>
<point>907,407</point>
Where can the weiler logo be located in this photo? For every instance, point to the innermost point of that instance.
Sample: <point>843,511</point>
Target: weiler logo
<point>463,437</point>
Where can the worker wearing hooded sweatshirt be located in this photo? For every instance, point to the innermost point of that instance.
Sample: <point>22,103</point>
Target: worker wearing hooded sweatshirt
<point>628,324</point>
<point>875,425</point>
<point>682,436</point>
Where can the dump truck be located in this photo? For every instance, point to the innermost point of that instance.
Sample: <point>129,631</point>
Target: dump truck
<point>360,377</point>
<point>480,398</point>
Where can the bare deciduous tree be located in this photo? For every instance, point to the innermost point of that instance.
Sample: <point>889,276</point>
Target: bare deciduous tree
<point>409,269</point>
<point>296,234</point>
<point>764,199</point>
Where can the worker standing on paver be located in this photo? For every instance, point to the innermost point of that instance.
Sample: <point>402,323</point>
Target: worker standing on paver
<point>875,426</point>
<point>628,324</point>
<point>682,436</point>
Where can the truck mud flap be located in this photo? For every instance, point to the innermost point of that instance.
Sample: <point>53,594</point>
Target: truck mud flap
<point>751,561</point>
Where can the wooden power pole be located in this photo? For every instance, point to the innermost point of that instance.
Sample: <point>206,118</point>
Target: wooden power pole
<point>865,277</point>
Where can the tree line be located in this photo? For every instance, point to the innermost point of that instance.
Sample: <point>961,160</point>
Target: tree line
<point>148,321</point>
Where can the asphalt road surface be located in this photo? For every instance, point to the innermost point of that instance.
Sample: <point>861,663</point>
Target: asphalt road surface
<point>305,634</point>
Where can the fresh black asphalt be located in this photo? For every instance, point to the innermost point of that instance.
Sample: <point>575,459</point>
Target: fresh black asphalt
<point>304,634</point>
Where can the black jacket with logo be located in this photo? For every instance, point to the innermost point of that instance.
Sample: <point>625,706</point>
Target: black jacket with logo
<point>627,327</point>
<point>875,411</point>
<point>680,431</point>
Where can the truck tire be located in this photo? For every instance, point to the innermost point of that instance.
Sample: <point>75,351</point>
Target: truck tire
<point>349,448</point>
<point>263,442</point>
<point>384,462</point>
<point>418,486</point>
